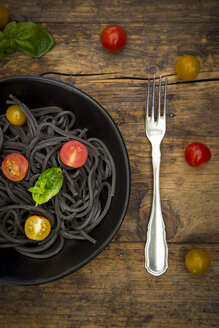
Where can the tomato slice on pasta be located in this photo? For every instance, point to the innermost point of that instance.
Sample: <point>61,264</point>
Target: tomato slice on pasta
<point>74,154</point>
<point>15,166</point>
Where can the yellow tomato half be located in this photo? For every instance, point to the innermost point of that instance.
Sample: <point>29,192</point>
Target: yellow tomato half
<point>37,227</point>
<point>3,16</point>
<point>15,115</point>
<point>197,261</point>
<point>187,67</point>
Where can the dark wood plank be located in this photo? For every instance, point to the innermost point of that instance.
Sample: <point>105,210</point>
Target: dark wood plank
<point>106,293</point>
<point>76,52</point>
<point>112,11</point>
<point>192,107</point>
<point>156,38</point>
<point>158,33</point>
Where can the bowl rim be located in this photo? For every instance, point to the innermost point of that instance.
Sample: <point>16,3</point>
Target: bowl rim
<point>70,87</point>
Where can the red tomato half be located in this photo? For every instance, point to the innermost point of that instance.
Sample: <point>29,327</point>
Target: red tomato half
<point>113,38</point>
<point>197,153</point>
<point>15,166</point>
<point>74,154</point>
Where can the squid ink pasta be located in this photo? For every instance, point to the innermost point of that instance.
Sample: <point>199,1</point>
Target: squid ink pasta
<point>86,192</point>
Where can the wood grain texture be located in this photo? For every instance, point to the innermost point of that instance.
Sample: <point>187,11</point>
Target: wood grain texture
<point>114,290</point>
<point>155,29</point>
<point>106,293</point>
<point>78,50</point>
<point>113,11</point>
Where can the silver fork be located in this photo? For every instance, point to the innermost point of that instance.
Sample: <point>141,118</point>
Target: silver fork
<point>156,251</point>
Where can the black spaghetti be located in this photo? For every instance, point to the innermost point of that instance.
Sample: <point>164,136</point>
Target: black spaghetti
<point>86,193</point>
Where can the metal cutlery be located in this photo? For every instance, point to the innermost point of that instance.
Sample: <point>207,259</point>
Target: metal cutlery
<point>156,250</point>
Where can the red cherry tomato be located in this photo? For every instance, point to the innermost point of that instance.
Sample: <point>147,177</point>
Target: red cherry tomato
<point>197,154</point>
<point>113,38</point>
<point>74,154</point>
<point>15,166</point>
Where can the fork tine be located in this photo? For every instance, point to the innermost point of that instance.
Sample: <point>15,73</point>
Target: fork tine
<point>153,96</point>
<point>165,98</point>
<point>147,106</point>
<point>159,102</point>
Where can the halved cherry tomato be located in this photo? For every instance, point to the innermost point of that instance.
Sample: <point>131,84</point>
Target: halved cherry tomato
<point>74,154</point>
<point>113,38</point>
<point>197,261</point>
<point>37,227</point>
<point>197,154</point>
<point>15,115</point>
<point>187,67</point>
<point>15,166</point>
<point>3,15</point>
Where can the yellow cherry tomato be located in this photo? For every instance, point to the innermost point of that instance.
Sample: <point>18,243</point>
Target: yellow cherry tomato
<point>37,227</point>
<point>197,261</point>
<point>3,16</point>
<point>15,115</point>
<point>187,67</point>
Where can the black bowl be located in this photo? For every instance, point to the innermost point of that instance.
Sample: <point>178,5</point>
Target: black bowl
<point>40,91</point>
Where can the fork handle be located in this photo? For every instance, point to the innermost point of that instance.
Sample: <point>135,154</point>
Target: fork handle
<point>156,250</point>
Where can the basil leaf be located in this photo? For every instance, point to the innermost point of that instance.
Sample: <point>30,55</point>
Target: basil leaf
<point>7,43</point>
<point>47,186</point>
<point>10,46</point>
<point>7,46</point>
<point>1,53</point>
<point>2,48</point>
<point>10,30</point>
<point>26,30</point>
<point>33,39</point>
<point>1,45</point>
<point>30,38</point>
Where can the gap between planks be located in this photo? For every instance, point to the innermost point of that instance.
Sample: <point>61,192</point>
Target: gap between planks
<point>128,77</point>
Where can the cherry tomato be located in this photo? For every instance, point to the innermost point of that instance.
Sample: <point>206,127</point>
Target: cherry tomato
<point>74,154</point>
<point>197,261</point>
<point>187,67</point>
<point>15,166</point>
<point>197,154</point>
<point>15,115</point>
<point>113,38</point>
<point>3,15</point>
<point>37,227</point>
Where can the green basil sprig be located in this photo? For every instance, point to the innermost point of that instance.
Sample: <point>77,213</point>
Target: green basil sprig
<point>47,186</point>
<point>30,38</point>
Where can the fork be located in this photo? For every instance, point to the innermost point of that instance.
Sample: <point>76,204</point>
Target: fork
<point>156,250</point>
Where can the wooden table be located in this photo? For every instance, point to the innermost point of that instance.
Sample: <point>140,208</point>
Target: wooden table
<point>114,290</point>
